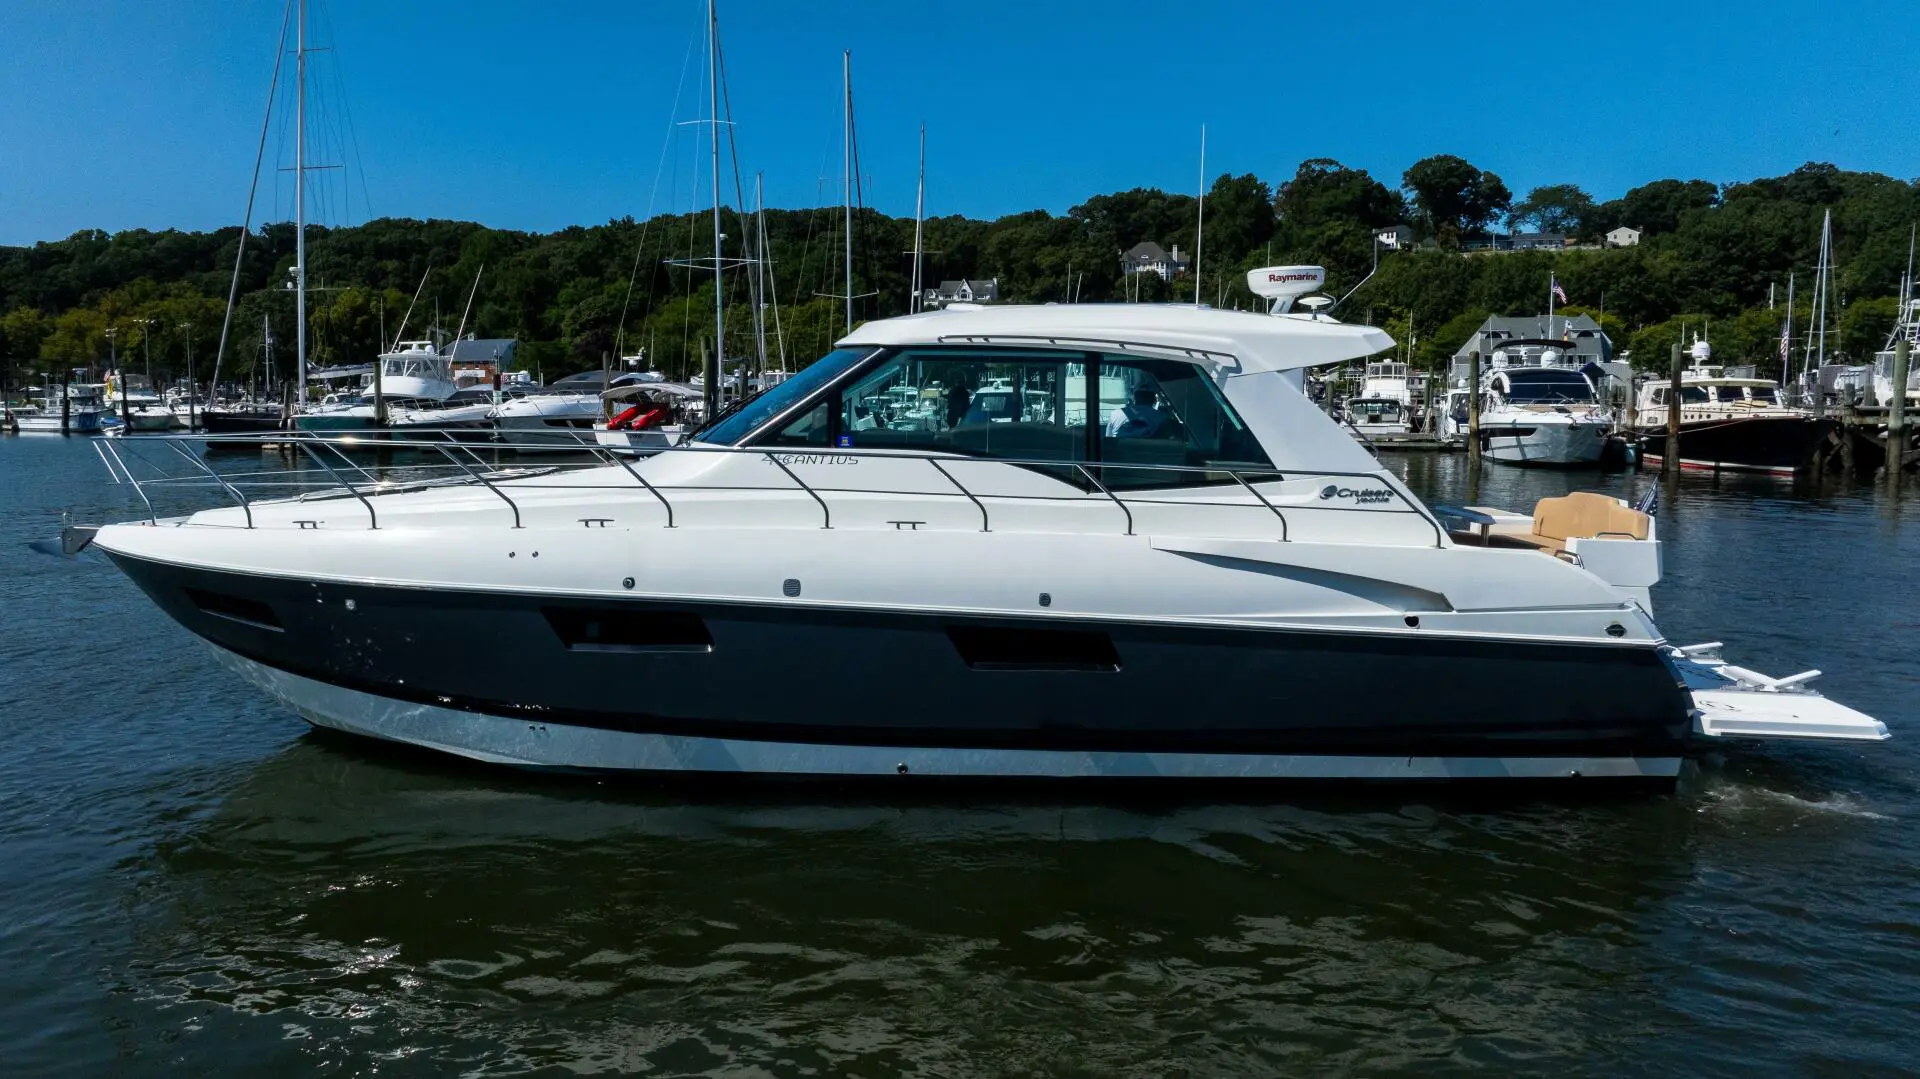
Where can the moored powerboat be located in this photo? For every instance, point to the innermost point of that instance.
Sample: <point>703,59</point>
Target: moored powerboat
<point>1729,421</point>
<point>823,582</point>
<point>1543,415</point>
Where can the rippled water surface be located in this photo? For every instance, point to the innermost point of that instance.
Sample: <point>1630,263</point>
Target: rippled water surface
<point>192,883</point>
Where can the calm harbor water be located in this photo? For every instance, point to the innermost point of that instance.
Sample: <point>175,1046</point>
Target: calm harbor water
<point>192,883</point>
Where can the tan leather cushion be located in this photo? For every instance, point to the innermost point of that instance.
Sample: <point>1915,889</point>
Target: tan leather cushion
<point>1584,514</point>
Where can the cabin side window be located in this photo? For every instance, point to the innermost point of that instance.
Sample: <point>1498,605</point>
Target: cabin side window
<point>1169,413</point>
<point>1165,418</point>
<point>1660,396</point>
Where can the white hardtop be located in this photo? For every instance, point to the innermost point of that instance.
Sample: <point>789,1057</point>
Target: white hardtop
<point>1235,342</point>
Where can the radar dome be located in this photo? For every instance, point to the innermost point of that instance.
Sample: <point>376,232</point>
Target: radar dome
<point>1285,284</point>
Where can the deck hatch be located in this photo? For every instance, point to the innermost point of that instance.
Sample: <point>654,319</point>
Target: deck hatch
<point>247,612</point>
<point>994,648</point>
<point>603,629</point>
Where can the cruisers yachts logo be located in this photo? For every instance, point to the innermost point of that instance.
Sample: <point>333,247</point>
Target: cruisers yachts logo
<point>1360,495</point>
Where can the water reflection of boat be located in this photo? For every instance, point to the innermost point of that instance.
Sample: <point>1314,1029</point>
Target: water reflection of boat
<point>370,901</point>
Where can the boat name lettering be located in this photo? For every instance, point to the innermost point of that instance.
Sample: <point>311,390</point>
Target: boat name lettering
<point>1361,495</point>
<point>813,458</point>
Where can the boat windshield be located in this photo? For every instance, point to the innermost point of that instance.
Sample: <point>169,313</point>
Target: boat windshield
<point>1546,386</point>
<point>758,410</point>
<point>1763,394</point>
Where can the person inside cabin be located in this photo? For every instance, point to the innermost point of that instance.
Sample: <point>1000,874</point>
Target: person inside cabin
<point>1137,418</point>
<point>959,399</point>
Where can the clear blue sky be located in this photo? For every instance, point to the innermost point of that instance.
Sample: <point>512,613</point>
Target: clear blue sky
<point>537,115</point>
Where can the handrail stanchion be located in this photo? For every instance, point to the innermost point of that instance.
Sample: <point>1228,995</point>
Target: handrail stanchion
<point>963,490</point>
<point>342,454</point>
<point>373,520</point>
<point>102,454</point>
<point>1109,494</point>
<point>1263,501</point>
<point>827,513</point>
<point>482,480</point>
<point>621,461</point>
<point>138,488</point>
<point>217,478</point>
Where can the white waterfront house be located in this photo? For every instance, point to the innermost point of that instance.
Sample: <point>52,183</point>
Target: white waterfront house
<point>1623,237</point>
<point>1395,237</point>
<point>1149,257</point>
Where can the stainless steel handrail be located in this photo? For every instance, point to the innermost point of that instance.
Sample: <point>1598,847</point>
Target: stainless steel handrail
<point>986,523</point>
<point>373,519</point>
<point>511,504</point>
<point>230,488</point>
<point>1109,494</point>
<point>1245,478</point>
<point>826,514</point>
<point>152,517</point>
<point>1263,502</point>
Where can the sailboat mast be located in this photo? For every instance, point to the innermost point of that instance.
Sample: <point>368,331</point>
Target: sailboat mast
<point>760,272</point>
<point>772,296</point>
<point>919,221</point>
<point>300,207</point>
<point>1200,230</point>
<point>846,180</point>
<point>1826,277</point>
<point>716,364</point>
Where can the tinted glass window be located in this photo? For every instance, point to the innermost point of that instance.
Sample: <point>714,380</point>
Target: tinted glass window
<point>730,429</point>
<point>1168,413</point>
<point>1693,395</point>
<point>987,404</point>
<point>1547,387</point>
<point>1763,393</point>
<point>1730,394</point>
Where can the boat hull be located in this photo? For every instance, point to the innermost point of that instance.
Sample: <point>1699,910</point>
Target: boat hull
<point>1781,446</point>
<point>219,422</point>
<point>515,741</point>
<point>1551,445</point>
<point>701,686</point>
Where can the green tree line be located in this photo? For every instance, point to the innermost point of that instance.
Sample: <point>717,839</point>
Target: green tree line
<point>1712,257</point>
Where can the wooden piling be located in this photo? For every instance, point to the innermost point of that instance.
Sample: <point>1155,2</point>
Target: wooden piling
<point>1473,403</point>
<point>1895,443</point>
<point>379,394</point>
<point>1670,460</point>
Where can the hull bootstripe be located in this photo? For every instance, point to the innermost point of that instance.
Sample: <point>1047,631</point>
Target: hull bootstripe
<point>533,743</point>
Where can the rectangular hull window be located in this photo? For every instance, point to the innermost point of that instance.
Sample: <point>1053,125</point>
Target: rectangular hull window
<point>247,612</point>
<point>995,649</point>
<point>591,629</point>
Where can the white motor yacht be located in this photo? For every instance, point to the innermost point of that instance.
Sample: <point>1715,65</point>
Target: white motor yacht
<point>564,413</point>
<point>77,407</point>
<point>1906,328</point>
<point>1386,403</point>
<point>823,584</point>
<point>1547,415</point>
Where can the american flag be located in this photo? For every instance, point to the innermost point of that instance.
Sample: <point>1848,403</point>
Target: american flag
<point>1558,292</point>
<point>1784,346</point>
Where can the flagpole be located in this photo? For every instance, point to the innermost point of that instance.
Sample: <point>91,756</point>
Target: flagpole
<point>1552,280</point>
<point>1786,337</point>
